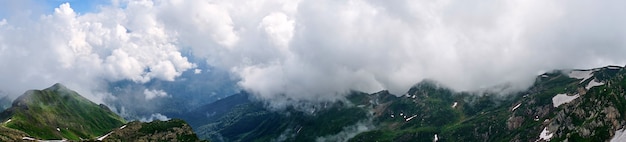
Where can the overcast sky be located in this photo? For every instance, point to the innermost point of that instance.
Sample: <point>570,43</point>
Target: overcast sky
<point>286,50</point>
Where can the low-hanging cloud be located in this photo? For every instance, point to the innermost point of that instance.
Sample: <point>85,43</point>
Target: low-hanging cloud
<point>151,94</point>
<point>288,51</point>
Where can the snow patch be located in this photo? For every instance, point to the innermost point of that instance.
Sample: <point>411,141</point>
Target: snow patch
<point>614,68</point>
<point>544,76</point>
<point>593,83</point>
<point>58,129</point>
<point>123,127</point>
<point>454,104</point>
<point>28,138</point>
<point>619,136</point>
<point>7,121</point>
<point>584,75</point>
<point>560,99</point>
<point>409,119</point>
<point>516,106</point>
<point>545,134</point>
<point>436,138</point>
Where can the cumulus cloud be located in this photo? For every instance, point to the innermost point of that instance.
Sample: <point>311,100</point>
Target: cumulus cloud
<point>288,51</point>
<point>151,94</point>
<point>323,49</point>
<point>84,51</point>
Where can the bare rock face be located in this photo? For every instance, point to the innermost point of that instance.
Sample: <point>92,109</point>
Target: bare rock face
<point>514,122</point>
<point>612,115</point>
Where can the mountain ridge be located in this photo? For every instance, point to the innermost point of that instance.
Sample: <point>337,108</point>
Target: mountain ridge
<point>429,111</point>
<point>67,115</point>
<point>59,113</point>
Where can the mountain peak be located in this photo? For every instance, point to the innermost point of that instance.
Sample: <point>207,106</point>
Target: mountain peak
<point>59,113</point>
<point>57,87</point>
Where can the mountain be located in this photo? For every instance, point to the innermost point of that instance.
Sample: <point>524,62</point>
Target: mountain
<point>57,113</point>
<point>572,105</point>
<point>172,130</point>
<point>211,112</point>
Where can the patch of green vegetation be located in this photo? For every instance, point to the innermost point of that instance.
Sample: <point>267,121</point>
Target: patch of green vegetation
<point>160,126</point>
<point>161,131</point>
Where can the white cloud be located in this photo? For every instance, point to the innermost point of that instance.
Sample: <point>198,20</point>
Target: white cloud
<point>151,94</point>
<point>156,116</point>
<point>84,51</point>
<point>286,50</point>
<point>278,28</point>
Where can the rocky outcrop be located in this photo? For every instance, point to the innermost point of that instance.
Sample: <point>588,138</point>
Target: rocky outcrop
<point>174,130</point>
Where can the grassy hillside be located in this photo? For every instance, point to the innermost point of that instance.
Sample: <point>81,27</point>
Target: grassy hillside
<point>59,113</point>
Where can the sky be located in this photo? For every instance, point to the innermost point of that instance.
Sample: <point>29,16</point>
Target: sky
<point>286,51</point>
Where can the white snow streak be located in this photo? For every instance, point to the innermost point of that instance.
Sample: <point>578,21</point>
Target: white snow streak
<point>409,119</point>
<point>516,106</point>
<point>614,68</point>
<point>593,83</point>
<point>105,136</point>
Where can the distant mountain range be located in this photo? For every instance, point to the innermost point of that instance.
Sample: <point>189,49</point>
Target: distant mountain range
<point>562,105</point>
<point>58,113</point>
<point>572,105</point>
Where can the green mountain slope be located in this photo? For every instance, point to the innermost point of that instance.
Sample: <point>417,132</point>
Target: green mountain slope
<point>59,113</point>
<point>250,121</point>
<point>573,105</point>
